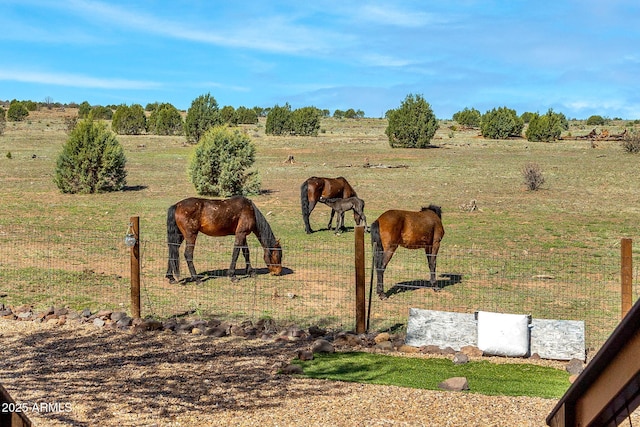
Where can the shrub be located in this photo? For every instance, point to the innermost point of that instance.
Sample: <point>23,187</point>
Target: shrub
<point>306,121</point>
<point>220,163</point>
<point>532,175</point>
<point>30,105</point>
<point>3,120</point>
<point>100,112</point>
<point>17,111</point>
<point>527,116</point>
<point>84,109</point>
<point>228,115</point>
<point>631,143</point>
<point>468,117</point>
<point>129,120</point>
<point>165,119</point>
<point>596,120</point>
<point>546,128</point>
<point>412,125</point>
<point>247,116</point>
<point>501,123</point>
<point>279,120</point>
<point>92,160</point>
<point>353,114</point>
<point>70,123</point>
<point>201,115</point>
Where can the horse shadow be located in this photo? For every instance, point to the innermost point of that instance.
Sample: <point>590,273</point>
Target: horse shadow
<point>134,187</point>
<point>345,229</point>
<point>220,273</point>
<point>445,280</point>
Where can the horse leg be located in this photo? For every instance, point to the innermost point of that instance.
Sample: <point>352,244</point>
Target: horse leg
<point>432,253</point>
<point>331,219</point>
<point>363,219</point>
<point>188,256</point>
<point>245,252</point>
<point>240,243</point>
<point>173,267</point>
<point>382,259</point>
<point>305,217</point>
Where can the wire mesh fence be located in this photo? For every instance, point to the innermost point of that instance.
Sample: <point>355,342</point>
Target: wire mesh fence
<point>317,285</point>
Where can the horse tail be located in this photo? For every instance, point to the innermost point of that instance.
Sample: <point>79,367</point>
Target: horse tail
<point>436,209</point>
<point>265,233</point>
<point>376,244</point>
<point>174,240</point>
<point>304,198</point>
<point>305,205</point>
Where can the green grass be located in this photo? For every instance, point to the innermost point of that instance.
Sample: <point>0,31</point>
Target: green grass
<point>483,377</point>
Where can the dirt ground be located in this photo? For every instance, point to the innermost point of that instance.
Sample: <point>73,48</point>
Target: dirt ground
<point>81,375</point>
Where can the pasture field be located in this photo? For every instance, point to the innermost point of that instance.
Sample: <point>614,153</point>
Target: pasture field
<point>591,197</point>
<point>590,200</point>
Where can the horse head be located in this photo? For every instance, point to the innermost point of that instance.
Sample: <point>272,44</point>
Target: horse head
<point>273,258</point>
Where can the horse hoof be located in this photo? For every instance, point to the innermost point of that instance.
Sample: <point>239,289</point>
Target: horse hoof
<point>382,296</point>
<point>172,281</point>
<point>233,279</point>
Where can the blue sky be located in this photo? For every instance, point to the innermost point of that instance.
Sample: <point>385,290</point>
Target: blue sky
<point>578,57</point>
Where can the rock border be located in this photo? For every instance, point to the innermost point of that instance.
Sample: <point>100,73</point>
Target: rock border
<point>321,340</point>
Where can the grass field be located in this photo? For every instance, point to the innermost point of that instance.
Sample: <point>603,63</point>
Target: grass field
<point>590,200</point>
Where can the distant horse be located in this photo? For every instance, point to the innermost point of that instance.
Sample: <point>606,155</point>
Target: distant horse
<point>410,230</point>
<point>314,187</point>
<point>237,215</point>
<point>340,206</point>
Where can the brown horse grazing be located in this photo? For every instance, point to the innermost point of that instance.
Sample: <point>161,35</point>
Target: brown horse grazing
<point>237,215</point>
<point>314,187</point>
<point>410,230</point>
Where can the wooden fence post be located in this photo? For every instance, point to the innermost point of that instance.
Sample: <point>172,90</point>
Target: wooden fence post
<point>135,268</point>
<point>626,275</point>
<point>360,280</point>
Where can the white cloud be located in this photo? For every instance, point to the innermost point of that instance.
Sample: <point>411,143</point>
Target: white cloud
<point>75,80</point>
<point>276,34</point>
<point>387,15</point>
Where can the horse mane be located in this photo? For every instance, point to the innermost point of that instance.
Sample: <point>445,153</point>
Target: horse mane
<point>434,208</point>
<point>348,190</point>
<point>265,234</point>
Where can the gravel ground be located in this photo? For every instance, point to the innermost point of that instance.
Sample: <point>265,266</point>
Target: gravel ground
<point>81,375</point>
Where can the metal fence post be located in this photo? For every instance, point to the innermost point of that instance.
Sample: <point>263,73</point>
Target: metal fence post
<point>360,280</point>
<point>626,275</point>
<point>135,268</point>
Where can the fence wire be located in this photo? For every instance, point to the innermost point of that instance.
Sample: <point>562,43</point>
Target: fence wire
<point>317,285</point>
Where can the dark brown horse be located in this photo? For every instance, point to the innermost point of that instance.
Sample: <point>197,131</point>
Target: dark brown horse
<point>412,230</point>
<point>235,216</point>
<point>340,206</point>
<point>314,187</point>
